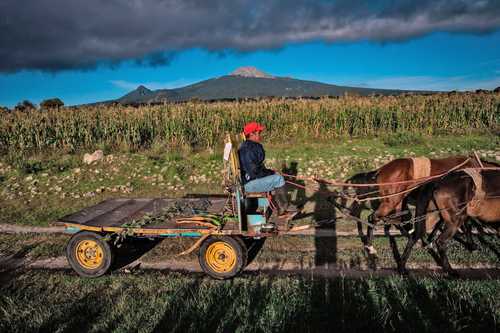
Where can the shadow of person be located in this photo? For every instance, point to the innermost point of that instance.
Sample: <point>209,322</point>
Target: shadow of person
<point>297,193</point>
<point>321,211</point>
<point>325,237</point>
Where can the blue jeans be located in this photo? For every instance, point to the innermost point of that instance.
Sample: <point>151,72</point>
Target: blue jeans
<point>265,184</point>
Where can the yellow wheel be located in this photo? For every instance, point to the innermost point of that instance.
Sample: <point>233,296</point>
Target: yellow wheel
<point>89,254</point>
<point>223,257</point>
<point>220,257</point>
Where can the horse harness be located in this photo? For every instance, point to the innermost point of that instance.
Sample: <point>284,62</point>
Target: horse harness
<point>479,193</point>
<point>421,167</point>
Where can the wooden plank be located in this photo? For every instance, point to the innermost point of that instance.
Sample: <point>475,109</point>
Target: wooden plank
<point>116,212</point>
<point>153,207</point>
<point>90,213</point>
<point>117,216</point>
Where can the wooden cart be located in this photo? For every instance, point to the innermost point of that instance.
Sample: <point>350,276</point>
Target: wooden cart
<point>223,247</point>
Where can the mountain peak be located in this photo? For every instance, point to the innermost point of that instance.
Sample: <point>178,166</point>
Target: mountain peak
<point>143,91</point>
<point>249,71</point>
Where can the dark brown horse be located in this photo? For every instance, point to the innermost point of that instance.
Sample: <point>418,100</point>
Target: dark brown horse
<point>457,198</point>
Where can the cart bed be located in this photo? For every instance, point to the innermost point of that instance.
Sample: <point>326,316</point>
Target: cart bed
<point>113,214</point>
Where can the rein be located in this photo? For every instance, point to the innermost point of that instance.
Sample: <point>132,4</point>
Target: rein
<point>418,181</point>
<point>411,181</point>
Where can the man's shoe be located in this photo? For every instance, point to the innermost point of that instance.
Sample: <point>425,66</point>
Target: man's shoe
<point>284,206</point>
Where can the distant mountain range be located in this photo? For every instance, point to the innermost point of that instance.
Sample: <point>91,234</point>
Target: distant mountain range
<point>245,82</point>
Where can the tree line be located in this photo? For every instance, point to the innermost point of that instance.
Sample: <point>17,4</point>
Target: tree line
<point>26,105</point>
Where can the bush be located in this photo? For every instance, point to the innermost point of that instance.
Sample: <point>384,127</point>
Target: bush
<point>32,166</point>
<point>53,103</point>
<point>24,106</point>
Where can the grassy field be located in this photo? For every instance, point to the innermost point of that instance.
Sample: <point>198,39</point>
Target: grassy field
<point>158,302</point>
<point>172,150</point>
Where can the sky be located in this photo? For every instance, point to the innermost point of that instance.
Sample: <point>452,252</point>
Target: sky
<point>95,50</point>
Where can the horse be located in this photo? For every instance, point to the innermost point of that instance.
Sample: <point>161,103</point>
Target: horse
<point>464,194</point>
<point>355,207</point>
<point>394,197</point>
<point>399,170</point>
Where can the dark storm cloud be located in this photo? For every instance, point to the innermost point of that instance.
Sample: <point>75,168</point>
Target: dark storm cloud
<point>64,34</point>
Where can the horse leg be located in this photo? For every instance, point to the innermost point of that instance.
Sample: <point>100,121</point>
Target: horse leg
<point>394,245</point>
<point>356,211</point>
<point>418,233</point>
<point>429,243</point>
<point>386,206</point>
<point>369,238</point>
<point>406,254</point>
<point>484,241</point>
<point>361,233</point>
<point>392,241</point>
<point>453,222</point>
<point>424,202</point>
<point>470,244</point>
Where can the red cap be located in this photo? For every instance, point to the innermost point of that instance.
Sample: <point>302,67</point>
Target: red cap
<point>252,127</point>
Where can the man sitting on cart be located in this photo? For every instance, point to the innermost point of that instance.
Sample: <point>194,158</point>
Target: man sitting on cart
<point>255,176</point>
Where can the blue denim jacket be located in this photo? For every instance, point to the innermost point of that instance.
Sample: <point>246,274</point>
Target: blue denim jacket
<point>252,158</point>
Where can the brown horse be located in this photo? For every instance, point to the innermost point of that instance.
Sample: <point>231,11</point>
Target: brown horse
<point>395,197</point>
<point>459,196</point>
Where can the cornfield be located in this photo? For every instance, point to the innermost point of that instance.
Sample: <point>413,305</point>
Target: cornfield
<point>204,124</point>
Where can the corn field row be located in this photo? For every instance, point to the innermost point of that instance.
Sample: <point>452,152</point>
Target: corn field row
<point>204,124</point>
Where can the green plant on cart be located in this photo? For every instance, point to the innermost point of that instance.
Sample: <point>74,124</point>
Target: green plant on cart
<point>175,209</point>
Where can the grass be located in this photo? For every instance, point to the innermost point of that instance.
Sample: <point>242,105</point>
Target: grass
<point>61,184</point>
<point>159,302</point>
